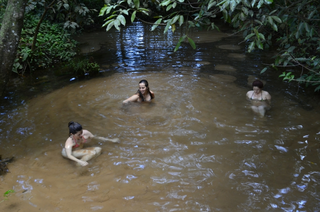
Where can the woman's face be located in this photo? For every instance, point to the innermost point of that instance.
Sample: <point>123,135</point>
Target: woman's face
<point>78,134</point>
<point>256,89</point>
<point>142,88</point>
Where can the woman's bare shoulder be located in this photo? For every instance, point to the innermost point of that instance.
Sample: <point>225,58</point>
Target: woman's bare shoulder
<point>69,142</point>
<point>266,92</point>
<point>249,93</point>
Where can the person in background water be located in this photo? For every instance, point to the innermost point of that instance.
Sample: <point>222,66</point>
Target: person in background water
<point>144,94</point>
<point>259,98</point>
<point>74,145</point>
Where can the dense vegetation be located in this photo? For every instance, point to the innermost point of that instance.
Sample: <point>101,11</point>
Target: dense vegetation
<point>46,35</point>
<point>290,25</point>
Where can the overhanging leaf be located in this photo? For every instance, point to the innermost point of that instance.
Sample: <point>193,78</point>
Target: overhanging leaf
<point>136,3</point>
<point>249,36</point>
<point>263,70</point>
<point>177,46</point>
<point>133,16</point>
<point>122,19</point>
<point>167,26</point>
<point>110,25</point>
<point>277,19</point>
<point>260,4</point>
<point>181,20</point>
<point>156,24</point>
<point>103,10</point>
<point>173,27</point>
<point>193,45</point>
<point>251,46</point>
<point>211,4</point>
<point>174,19</point>
<point>253,3</point>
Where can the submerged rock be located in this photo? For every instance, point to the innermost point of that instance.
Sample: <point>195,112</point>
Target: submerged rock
<point>3,164</point>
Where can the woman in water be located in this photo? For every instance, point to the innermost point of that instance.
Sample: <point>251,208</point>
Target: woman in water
<point>144,94</point>
<point>74,145</point>
<point>260,99</point>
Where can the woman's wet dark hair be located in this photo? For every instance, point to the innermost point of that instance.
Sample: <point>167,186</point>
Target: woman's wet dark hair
<point>74,127</point>
<point>145,82</point>
<point>257,83</point>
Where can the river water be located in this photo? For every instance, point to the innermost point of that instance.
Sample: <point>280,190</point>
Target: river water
<point>196,147</point>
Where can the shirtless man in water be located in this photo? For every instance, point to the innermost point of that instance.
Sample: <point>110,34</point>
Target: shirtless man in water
<point>74,144</point>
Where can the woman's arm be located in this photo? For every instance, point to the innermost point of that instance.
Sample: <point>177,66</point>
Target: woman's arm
<point>152,95</point>
<point>68,147</point>
<point>86,135</point>
<point>133,98</point>
<point>249,94</point>
<point>268,97</point>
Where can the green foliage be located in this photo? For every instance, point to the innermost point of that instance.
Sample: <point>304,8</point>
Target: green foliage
<point>72,14</point>
<point>53,45</point>
<point>83,67</point>
<point>7,194</point>
<point>293,26</point>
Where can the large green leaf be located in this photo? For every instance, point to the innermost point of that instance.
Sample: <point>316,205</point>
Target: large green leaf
<point>245,10</point>
<point>116,24</point>
<point>181,20</point>
<point>136,3</point>
<point>277,19</point>
<point>108,22</point>
<point>165,3</point>
<point>133,16</point>
<point>156,24</point>
<point>273,25</point>
<point>306,26</point>
<point>167,26</point>
<point>174,19</point>
<point>251,46</point>
<point>125,12</point>
<point>103,10</point>
<point>268,1</point>
<point>211,4</point>
<point>263,70</point>
<point>193,45</point>
<point>122,19</point>
<point>110,25</point>
<point>179,42</point>
<point>260,4</point>
<point>249,36</point>
<point>311,14</point>
<point>253,3</point>
<point>246,3</point>
<point>262,36</point>
<point>177,46</point>
<point>233,5</point>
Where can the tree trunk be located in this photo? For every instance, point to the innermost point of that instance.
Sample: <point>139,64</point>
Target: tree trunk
<point>10,33</point>
<point>39,23</point>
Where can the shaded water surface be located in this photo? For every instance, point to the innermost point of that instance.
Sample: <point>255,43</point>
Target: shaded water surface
<point>196,147</point>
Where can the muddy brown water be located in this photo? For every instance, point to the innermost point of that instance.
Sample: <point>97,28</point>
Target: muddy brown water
<point>196,147</point>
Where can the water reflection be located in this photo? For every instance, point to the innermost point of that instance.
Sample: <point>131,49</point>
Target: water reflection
<point>196,147</point>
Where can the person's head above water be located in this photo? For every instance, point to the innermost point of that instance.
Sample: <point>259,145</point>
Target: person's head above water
<point>145,82</point>
<point>144,89</point>
<point>257,83</point>
<point>74,127</point>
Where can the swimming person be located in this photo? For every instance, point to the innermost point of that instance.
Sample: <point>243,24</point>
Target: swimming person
<point>144,94</point>
<point>74,144</point>
<point>259,98</point>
